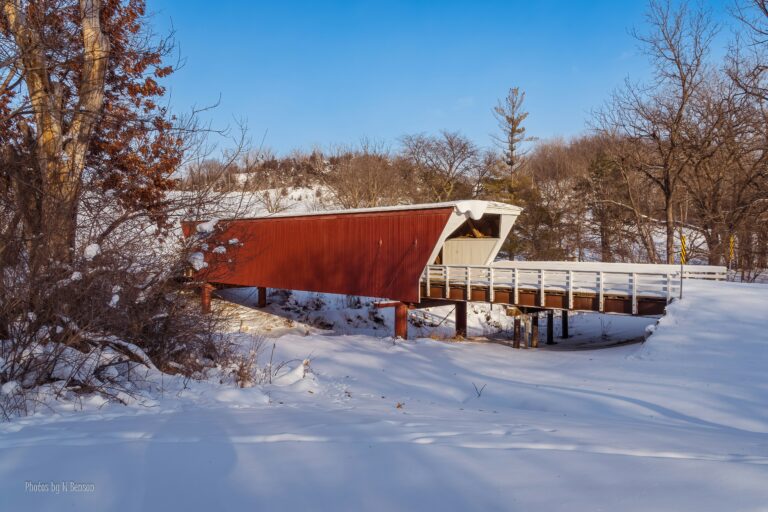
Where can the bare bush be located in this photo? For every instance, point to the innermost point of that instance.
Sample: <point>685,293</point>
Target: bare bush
<point>244,365</point>
<point>367,178</point>
<point>448,166</point>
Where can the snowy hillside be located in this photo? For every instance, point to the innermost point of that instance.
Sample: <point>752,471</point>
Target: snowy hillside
<point>358,422</point>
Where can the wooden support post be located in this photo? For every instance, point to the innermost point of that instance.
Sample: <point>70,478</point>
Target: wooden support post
<point>564,319</point>
<point>262,299</point>
<point>534,330</point>
<point>401,321</point>
<point>516,337</point>
<point>206,292</point>
<point>550,327</point>
<point>526,334</point>
<point>461,319</point>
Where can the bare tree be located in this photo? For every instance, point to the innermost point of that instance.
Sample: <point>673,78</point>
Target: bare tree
<point>62,129</point>
<point>656,117</point>
<point>748,63</point>
<point>88,161</point>
<point>728,183</point>
<point>446,163</point>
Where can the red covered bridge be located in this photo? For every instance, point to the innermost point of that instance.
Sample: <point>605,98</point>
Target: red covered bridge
<point>417,256</point>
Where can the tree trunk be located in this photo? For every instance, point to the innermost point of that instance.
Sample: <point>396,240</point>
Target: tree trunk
<point>714,247</point>
<point>605,241</point>
<point>646,235</point>
<point>670,225</point>
<point>60,151</point>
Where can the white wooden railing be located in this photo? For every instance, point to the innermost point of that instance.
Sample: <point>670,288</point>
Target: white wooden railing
<point>604,279</point>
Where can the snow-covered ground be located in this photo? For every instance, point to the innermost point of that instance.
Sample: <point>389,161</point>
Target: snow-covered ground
<point>679,422</point>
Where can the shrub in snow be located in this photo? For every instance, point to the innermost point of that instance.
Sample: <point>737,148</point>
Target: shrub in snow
<point>102,328</point>
<point>12,400</point>
<point>97,309</point>
<point>243,366</point>
<point>247,365</point>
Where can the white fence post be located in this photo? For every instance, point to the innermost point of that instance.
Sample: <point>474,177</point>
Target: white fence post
<point>516,301</point>
<point>469,285</point>
<point>490,285</point>
<point>634,293</point>
<point>600,298</point>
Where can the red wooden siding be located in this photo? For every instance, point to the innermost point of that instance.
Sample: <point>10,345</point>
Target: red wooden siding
<point>376,254</point>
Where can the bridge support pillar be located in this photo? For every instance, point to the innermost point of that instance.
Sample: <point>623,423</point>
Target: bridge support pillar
<point>534,330</point>
<point>550,327</point>
<point>564,320</point>
<point>461,319</point>
<point>262,298</point>
<point>206,292</point>
<point>517,335</point>
<point>401,320</point>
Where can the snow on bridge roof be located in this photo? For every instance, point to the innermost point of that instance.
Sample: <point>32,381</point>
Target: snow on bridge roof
<point>475,208</point>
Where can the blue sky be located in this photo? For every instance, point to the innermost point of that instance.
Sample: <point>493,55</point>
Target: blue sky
<point>325,73</point>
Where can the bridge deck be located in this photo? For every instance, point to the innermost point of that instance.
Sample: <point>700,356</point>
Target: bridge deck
<point>603,287</point>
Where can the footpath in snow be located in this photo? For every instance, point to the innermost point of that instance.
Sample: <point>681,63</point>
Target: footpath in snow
<point>679,422</point>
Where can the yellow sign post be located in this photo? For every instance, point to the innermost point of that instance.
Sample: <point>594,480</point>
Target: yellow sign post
<point>731,252</point>
<point>683,254</point>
